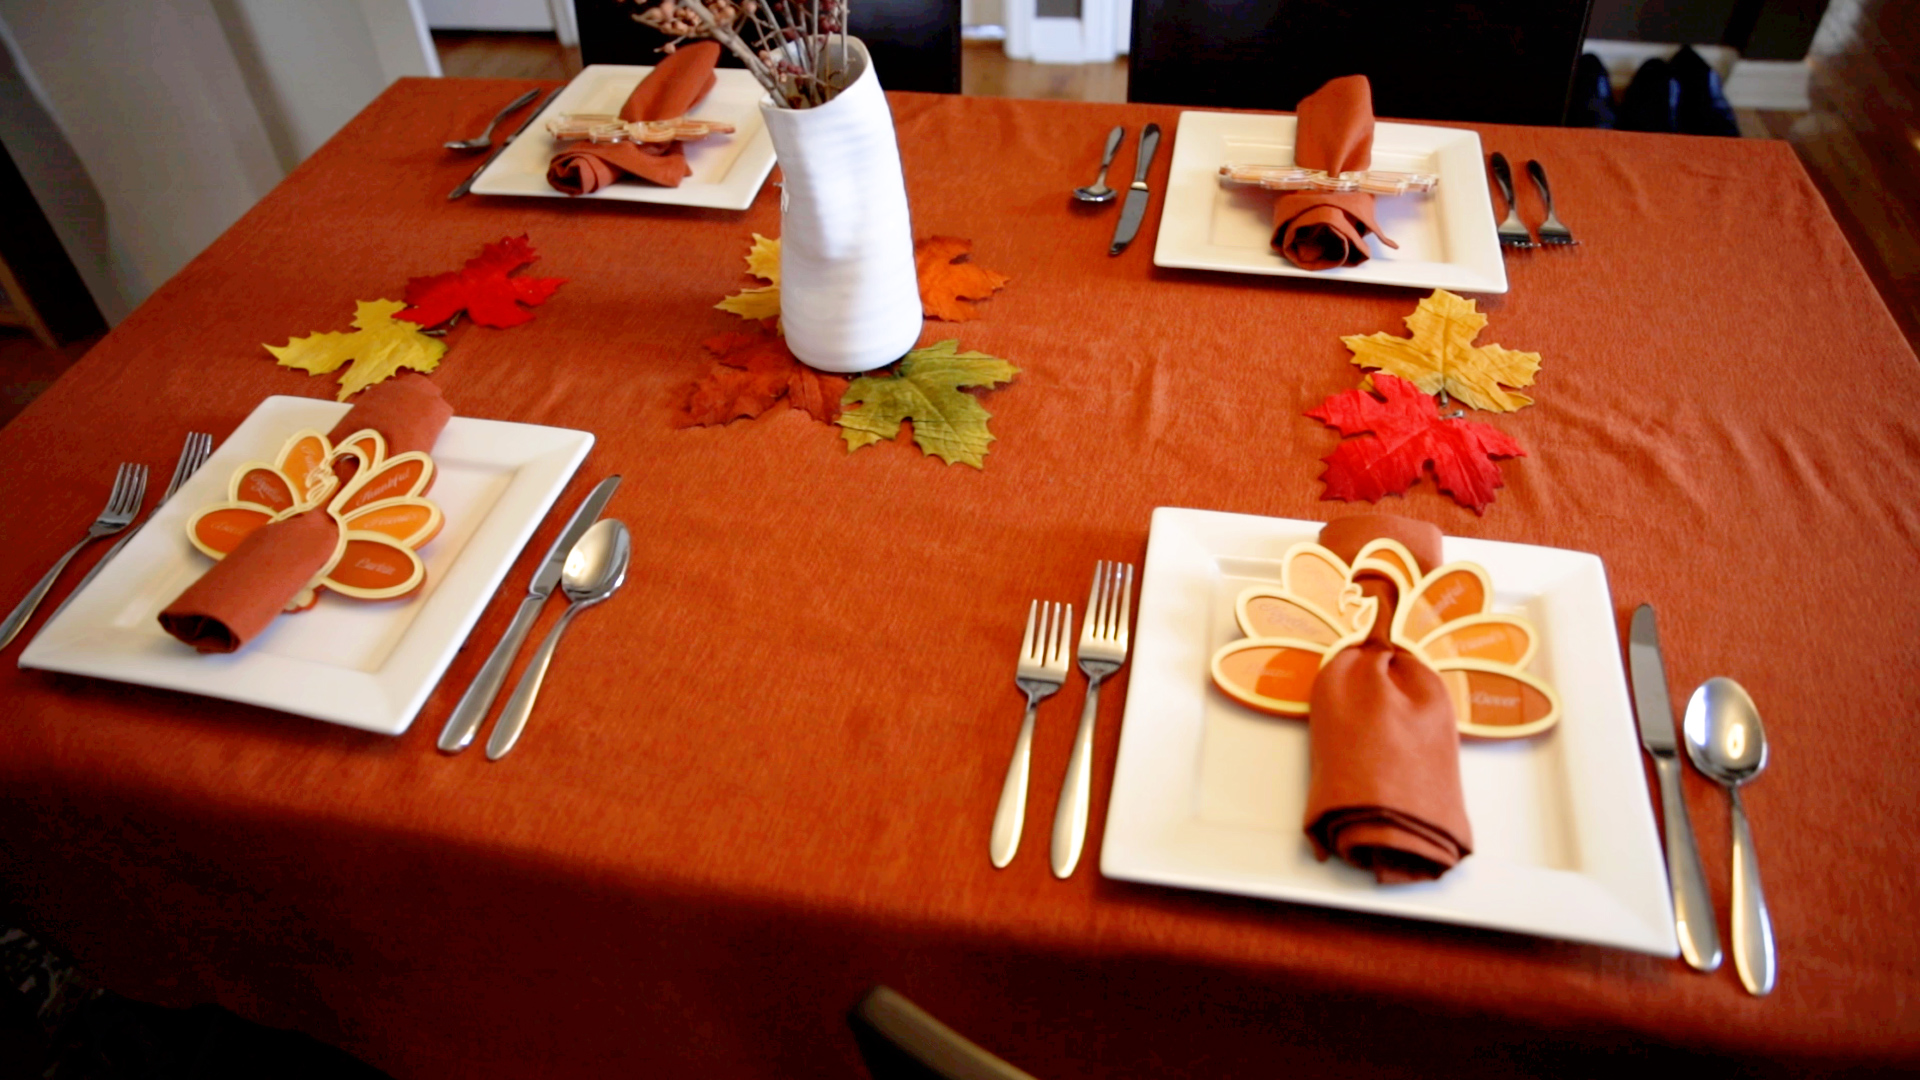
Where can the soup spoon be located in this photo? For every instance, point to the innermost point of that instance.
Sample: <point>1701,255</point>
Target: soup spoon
<point>1726,742</point>
<point>485,138</point>
<point>1098,191</point>
<point>596,567</point>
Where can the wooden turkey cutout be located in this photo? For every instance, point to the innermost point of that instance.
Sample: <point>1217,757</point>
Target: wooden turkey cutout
<point>1445,620</point>
<point>381,511</point>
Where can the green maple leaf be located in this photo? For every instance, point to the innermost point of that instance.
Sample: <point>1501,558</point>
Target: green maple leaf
<point>947,422</point>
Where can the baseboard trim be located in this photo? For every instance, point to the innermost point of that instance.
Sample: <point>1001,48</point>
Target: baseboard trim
<point>1749,84</point>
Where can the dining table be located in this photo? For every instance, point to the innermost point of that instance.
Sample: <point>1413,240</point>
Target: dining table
<point>760,778</point>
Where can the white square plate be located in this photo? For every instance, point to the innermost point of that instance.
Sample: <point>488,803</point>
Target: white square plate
<point>1446,238</point>
<point>360,663</point>
<point>727,169</point>
<point>1210,795</point>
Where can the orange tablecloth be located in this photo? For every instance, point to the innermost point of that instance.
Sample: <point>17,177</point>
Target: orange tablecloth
<point>762,777</point>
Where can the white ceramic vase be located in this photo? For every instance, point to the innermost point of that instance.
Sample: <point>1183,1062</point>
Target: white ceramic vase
<point>849,298</point>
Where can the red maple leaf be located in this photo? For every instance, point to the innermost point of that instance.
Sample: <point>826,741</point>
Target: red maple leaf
<point>1399,433</point>
<point>482,288</point>
<point>753,372</point>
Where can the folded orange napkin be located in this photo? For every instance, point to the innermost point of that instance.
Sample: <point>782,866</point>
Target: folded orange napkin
<point>240,595</point>
<point>1319,230</point>
<point>1384,790</point>
<point>672,88</point>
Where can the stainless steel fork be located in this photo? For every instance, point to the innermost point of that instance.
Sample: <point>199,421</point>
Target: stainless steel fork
<point>193,454</point>
<point>1044,660</point>
<point>1103,648</point>
<point>129,487</point>
<point>1551,230</point>
<point>1513,232</point>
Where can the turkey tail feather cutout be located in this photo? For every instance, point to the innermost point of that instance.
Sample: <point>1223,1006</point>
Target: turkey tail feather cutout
<point>380,510</point>
<point>1444,620</point>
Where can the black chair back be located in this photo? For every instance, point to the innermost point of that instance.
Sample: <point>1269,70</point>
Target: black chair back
<point>915,44</point>
<point>1497,61</point>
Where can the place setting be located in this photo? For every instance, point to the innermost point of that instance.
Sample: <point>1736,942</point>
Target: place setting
<point>328,558</point>
<point>1330,193</point>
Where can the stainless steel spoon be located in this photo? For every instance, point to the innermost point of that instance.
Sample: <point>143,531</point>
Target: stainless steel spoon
<point>1098,191</point>
<point>485,138</point>
<point>596,566</point>
<point>1726,742</point>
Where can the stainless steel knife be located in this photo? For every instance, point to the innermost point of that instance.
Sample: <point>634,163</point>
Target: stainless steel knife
<point>1135,210</point>
<point>478,699</point>
<point>1692,907</point>
<point>467,184</point>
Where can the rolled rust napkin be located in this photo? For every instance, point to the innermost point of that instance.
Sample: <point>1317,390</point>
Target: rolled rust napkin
<point>242,594</point>
<point>1384,785</point>
<point>1319,230</point>
<point>673,87</point>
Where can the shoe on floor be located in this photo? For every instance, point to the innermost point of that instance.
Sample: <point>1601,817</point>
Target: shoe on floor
<point>1652,100</point>
<point>1703,108</point>
<point>1592,105</point>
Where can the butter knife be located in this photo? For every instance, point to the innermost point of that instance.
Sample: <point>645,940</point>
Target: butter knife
<point>1692,908</point>
<point>467,184</point>
<point>478,699</point>
<point>1135,210</point>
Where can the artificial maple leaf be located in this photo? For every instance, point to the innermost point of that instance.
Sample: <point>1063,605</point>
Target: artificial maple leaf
<point>380,348</point>
<point>482,288</point>
<point>1397,434</point>
<point>947,423</point>
<point>763,262</point>
<point>755,371</point>
<point>949,279</point>
<point>1441,355</point>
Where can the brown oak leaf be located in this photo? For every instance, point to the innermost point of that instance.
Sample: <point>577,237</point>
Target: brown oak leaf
<point>753,371</point>
<point>950,281</point>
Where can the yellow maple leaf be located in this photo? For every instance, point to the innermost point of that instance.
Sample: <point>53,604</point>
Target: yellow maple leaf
<point>378,348</point>
<point>763,262</point>
<point>947,422</point>
<point>1441,355</point>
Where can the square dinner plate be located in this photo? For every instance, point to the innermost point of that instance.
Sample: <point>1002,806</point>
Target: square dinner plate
<point>727,169</point>
<point>1446,237</point>
<point>366,664</point>
<point>1208,794</point>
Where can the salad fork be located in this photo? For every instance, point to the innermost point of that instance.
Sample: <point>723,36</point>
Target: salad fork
<point>1103,648</point>
<point>1044,659</point>
<point>1551,230</point>
<point>129,488</point>
<point>193,454</point>
<point>1513,232</point>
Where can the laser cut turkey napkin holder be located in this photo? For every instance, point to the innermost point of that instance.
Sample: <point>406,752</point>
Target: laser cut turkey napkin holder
<point>379,514</point>
<point>1392,658</point>
<point>1446,621</point>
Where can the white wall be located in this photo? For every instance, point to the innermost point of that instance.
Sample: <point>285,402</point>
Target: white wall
<point>311,66</point>
<point>178,115</point>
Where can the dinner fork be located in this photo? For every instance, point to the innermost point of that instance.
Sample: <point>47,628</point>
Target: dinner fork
<point>129,487</point>
<point>1513,232</point>
<point>1551,230</point>
<point>193,454</point>
<point>1044,660</point>
<point>1103,648</point>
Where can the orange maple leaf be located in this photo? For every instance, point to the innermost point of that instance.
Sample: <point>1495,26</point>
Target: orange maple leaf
<point>753,372</point>
<point>950,282</point>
